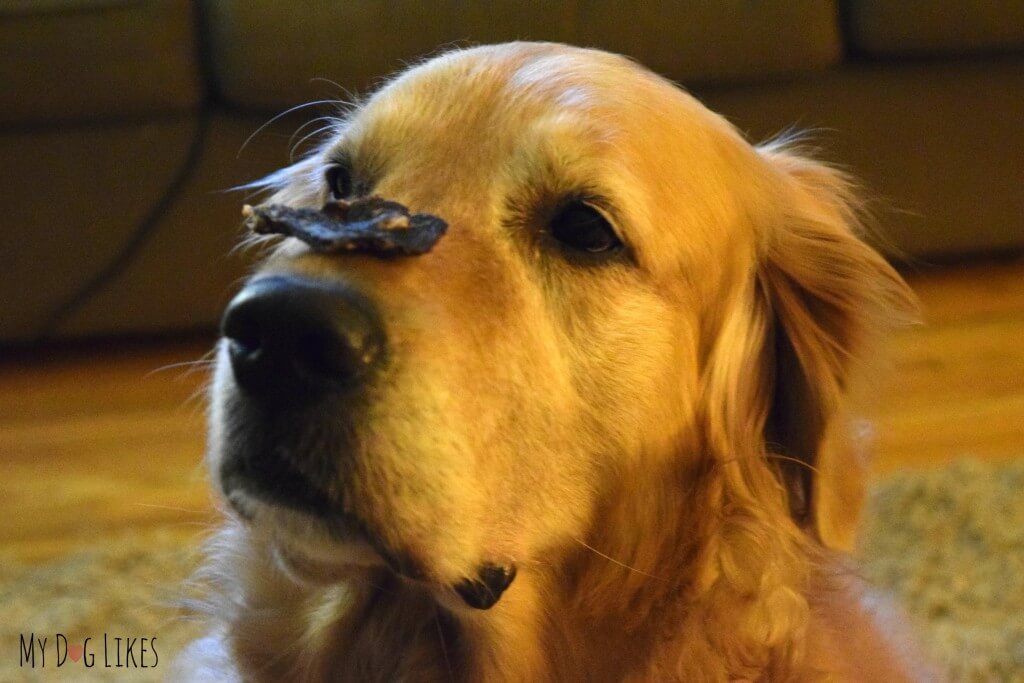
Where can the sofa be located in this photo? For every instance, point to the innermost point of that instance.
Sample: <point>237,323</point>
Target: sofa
<point>124,123</point>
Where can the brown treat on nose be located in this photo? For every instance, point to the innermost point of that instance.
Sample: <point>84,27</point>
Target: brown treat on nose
<point>371,225</point>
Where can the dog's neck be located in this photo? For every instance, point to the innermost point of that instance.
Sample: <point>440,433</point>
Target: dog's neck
<point>682,593</point>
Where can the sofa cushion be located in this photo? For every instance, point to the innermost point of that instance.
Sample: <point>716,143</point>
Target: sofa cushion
<point>63,232</point>
<point>92,59</point>
<point>936,143</point>
<point>264,54</point>
<point>926,27</point>
<point>724,41</point>
<point>76,199</point>
<point>189,268</point>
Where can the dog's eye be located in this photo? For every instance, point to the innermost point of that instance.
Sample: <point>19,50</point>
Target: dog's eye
<point>339,181</point>
<point>581,227</point>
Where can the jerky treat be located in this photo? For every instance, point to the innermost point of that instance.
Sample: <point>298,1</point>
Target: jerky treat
<point>368,224</point>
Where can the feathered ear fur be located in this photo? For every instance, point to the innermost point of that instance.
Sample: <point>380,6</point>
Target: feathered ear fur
<point>828,295</point>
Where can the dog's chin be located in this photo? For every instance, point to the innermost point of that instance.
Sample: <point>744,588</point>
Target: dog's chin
<point>317,551</point>
<point>309,565</point>
<point>308,548</point>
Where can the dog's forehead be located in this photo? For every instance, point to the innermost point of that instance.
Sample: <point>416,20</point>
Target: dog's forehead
<point>453,127</point>
<point>492,94</point>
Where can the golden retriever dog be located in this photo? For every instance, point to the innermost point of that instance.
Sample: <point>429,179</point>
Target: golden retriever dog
<point>589,426</point>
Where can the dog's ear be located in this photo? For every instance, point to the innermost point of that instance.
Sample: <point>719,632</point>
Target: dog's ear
<point>828,295</point>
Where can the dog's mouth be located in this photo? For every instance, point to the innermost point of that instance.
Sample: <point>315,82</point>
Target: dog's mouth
<point>274,481</point>
<point>315,547</point>
<point>299,511</point>
<point>314,541</point>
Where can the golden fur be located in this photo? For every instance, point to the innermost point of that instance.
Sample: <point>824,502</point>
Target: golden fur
<point>640,437</point>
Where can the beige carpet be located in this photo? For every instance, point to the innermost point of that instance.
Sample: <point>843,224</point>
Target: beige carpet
<point>949,543</point>
<point>127,589</point>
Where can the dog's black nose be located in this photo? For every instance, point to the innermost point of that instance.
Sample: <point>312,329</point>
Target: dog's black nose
<point>292,337</point>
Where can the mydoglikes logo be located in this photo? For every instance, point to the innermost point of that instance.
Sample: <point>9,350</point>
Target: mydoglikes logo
<point>42,651</point>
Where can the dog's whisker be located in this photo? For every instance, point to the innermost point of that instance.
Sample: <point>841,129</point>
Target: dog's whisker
<point>444,647</point>
<point>617,562</point>
<point>311,122</point>
<point>332,123</point>
<point>196,401</point>
<point>203,526</point>
<point>821,481</point>
<point>279,116</point>
<point>192,365</point>
<point>252,242</point>
<point>175,508</point>
<point>348,94</point>
<point>205,361</point>
<point>786,458</point>
<point>537,562</point>
<point>318,131</point>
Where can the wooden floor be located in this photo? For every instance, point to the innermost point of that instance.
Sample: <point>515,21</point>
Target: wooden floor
<point>101,442</point>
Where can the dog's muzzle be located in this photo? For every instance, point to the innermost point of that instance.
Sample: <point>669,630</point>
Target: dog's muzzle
<point>294,341</point>
<point>301,352</point>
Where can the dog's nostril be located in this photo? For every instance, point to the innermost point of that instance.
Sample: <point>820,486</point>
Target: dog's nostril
<point>244,334</point>
<point>288,335</point>
<point>338,351</point>
<point>246,350</point>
